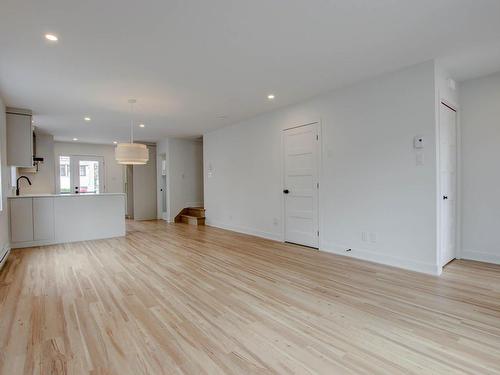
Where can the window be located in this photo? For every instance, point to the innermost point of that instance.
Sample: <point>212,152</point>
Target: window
<point>64,170</point>
<point>64,175</point>
<point>83,170</point>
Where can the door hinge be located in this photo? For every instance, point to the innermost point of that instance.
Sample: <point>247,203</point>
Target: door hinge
<point>317,233</point>
<point>317,185</point>
<point>317,137</point>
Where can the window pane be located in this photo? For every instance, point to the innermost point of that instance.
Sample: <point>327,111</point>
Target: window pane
<point>64,174</point>
<point>89,176</point>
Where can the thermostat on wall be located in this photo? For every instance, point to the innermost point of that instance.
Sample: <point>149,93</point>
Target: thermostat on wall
<point>418,142</point>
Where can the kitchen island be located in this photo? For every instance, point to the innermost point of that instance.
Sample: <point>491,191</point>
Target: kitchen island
<point>46,219</point>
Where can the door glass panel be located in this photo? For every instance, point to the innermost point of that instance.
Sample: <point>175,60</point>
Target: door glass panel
<point>89,176</point>
<point>65,174</point>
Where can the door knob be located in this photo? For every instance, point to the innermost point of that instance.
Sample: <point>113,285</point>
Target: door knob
<point>286,191</point>
<point>445,197</point>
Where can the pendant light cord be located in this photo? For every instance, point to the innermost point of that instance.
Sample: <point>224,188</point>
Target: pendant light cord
<point>131,122</point>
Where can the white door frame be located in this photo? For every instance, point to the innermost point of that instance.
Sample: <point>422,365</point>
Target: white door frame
<point>439,198</point>
<point>320,175</point>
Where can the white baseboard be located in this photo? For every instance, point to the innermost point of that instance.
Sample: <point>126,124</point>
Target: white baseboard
<point>412,265</point>
<point>245,230</point>
<point>4,254</point>
<point>480,256</point>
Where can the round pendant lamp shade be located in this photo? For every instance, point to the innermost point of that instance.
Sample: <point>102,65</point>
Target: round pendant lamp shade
<point>131,153</point>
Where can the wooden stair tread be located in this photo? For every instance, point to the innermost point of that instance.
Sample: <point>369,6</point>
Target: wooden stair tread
<point>191,215</point>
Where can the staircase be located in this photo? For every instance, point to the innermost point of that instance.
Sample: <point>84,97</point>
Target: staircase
<point>191,215</point>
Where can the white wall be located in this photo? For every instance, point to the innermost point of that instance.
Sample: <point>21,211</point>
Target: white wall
<point>144,188</point>
<point>44,180</point>
<point>480,123</point>
<point>184,173</point>
<point>370,181</point>
<point>4,214</point>
<point>113,176</point>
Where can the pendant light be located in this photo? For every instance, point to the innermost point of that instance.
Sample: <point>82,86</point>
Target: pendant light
<point>131,153</point>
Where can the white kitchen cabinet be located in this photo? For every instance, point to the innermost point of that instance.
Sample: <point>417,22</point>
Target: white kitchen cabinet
<point>21,220</point>
<point>19,138</point>
<point>43,219</point>
<point>31,220</point>
<point>38,220</point>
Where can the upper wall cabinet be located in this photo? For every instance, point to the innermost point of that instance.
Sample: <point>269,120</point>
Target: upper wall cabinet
<point>19,137</point>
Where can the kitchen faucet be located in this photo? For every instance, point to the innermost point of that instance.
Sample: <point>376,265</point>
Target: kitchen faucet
<point>17,183</point>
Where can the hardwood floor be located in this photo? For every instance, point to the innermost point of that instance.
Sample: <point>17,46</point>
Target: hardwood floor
<point>179,299</point>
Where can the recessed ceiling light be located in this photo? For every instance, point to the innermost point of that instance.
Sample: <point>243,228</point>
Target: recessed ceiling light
<point>142,125</point>
<point>270,96</point>
<point>75,139</point>
<point>87,118</point>
<point>115,142</point>
<point>51,37</point>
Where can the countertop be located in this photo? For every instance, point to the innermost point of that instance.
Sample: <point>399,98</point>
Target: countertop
<point>62,195</point>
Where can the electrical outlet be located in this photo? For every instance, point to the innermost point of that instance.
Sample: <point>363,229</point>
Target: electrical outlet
<point>419,158</point>
<point>364,236</point>
<point>373,237</point>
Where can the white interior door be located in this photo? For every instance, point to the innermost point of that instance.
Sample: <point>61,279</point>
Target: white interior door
<point>301,184</point>
<point>448,176</point>
<point>87,174</point>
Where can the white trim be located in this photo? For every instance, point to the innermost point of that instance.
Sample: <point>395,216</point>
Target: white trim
<point>376,257</point>
<point>480,256</point>
<point>411,265</point>
<point>459,249</point>
<point>5,254</point>
<point>246,230</point>
<point>22,245</point>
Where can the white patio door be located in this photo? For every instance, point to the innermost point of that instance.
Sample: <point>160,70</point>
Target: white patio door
<point>87,174</point>
<point>301,184</point>
<point>81,174</point>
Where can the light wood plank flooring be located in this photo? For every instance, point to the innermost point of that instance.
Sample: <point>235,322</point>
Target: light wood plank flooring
<point>178,299</point>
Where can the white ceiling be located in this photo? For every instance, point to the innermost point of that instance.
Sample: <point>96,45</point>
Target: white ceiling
<point>190,61</point>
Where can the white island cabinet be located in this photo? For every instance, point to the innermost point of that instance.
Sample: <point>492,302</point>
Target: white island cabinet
<point>50,219</point>
<point>21,220</point>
